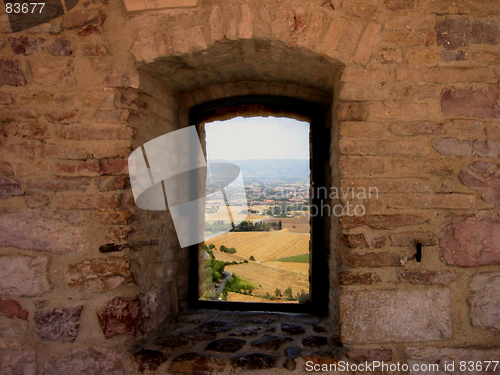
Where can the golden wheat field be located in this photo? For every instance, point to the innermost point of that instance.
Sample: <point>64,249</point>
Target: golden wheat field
<point>236,297</point>
<point>264,245</point>
<point>267,279</point>
<point>302,268</point>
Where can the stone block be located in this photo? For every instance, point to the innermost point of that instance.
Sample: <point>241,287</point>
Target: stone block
<point>194,363</point>
<point>58,185</point>
<point>395,5</point>
<point>10,73</point>
<point>314,341</point>
<point>99,274</point>
<point>485,300</point>
<point>31,231</point>
<point>102,361</point>
<point>489,148</point>
<point>25,45</point>
<point>23,276</point>
<point>427,277</point>
<point>61,47</point>
<point>136,5</point>
<point>23,363</point>
<point>10,187</point>
<point>470,240</point>
<point>12,309</point>
<point>366,44</point>
<point>485,179</point>
<point>227,345</point>
<point>416,128</point>
<point>409,239</point>
<point>59,324</point>
<point>271,342</point>
<point>482,103</point>
<point>121,316</point>
<point>380,221</point>
<point>52,72</point>
<point>82,18</point>
<point>352,111</point>
<point>12,333</point>
<point>370,355</point>
<point>149,359</point>
<point>451,75</point>
<point>351,278</point>
<point>461,32</point>
<point>380,316</point>
<point>453,146</point>
<point>254,361</point>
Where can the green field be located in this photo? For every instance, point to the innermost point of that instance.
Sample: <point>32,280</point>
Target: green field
<point>303,258</point>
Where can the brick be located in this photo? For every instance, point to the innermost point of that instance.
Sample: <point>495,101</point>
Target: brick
<point>23,276</point>
<point>36,200</point>
<point>453,146</point>
<point>351,278</point>
<point>373,259</point>
<point>99,274</point>
<point>23,363</point>
<point>79,132</point>
<point>353,91</point>
<point>366,44</point>
<point>108,116</point>
<point>483,178</point>
<point>461,6</point>
<point>58,185</point>
<point>447,75</point>
<point>416,128</point>
<point>30,231</point>
<point>10,73</point>
<point>121,316</point>
<point>362,10</point>
<point>52,72</point>
<point>378,242</point>
<point>94,360</point>
<point>486,149</point>
<point>114,166</point>
<point>412,238</point>
<point>6,169</point>
<point>351,33</point>
<point>484,103</point>
<point>363,129</point>
<point>10,187</point>
<point>80,19</point>
<point>63,117</point>
<point>136,5</point>
<point>404,38</point>
<point>395,5</point>
<point>332,36</point>
<point>26,46</point>
<point>380,221</point>
<point>484,299</point>
<point>70,201</point>
<point>427,277</point>
<point>469,240</point>
<point>400,316</point>
<point>77,168</point>
<point>391,55</point>
<point>194,363</point>
<point>442,356</point>
<point>216,23</point>
<point>61,47</point>
<point>59,324</point>
<point>110,183</point>
<point>5,98</point>
<point>12,309</point>
<point>456,33</point>
<point>188,40</point>
<point>115,217</point>
<point>354,146</point>
<point>356,240</point>
<point>352,111</point>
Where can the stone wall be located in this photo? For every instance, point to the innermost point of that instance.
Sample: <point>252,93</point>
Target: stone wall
<point>87,280</point>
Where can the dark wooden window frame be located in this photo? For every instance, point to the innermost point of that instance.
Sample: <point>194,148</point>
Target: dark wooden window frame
<point>319,161</point>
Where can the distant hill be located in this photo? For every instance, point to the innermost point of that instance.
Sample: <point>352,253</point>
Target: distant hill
<point>265,169</point>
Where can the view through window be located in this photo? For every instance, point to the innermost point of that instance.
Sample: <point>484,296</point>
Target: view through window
<point>260,252</point>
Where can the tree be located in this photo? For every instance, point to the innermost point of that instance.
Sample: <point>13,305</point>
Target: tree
<point>277,292</point>
<point>279,225</point>
<point>288,293</point>
<point>252,258</point>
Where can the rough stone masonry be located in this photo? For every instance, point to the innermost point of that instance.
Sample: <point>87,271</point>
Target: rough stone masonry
<point>89,284</point>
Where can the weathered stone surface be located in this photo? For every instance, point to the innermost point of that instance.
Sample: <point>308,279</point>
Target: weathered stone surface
<point>85,362</point>
<point>58,184</point>
<point>325,357</point>
<point>486,149</point>
<point>176,342</point>
<point>5,98</point>
<point>12,309</point>
<point>453,146</point>
<point>194,363</point>
<point>380,221</point>
<point>412,238</point>
<point>99,274</point>
<point>427,277</point>
<point>371,259</point>
<point>251,331</point>
<point>349,278</point>
<point>456,33</point>
<point>53,72</point>
<point>30,231</point>
<point>356,240</point>
<point>10,73</point>
<point>400,316</point>
<point>314,341</point>
<point>485,300</point>
<point>399,4</point>
<point>271,342</point>
<point>353,111</point>
<point>23,275</point>
<point>470,240</point>
<point>113,248</point>
<point>370,355</point>
<point>214,326</point>
<point>485,179</point>
<point>292,329</point>
<point>229,345</point>
<point>378,242</point>
<point>149,359</point>
<point>61,47</point>
<point>36,200</point>
<point>23,363</point>
<point>483,103</point>
<point>26,46</point>
<point>94,50</point>
<point>121,316</point>
<point>58,325</point>
<point>254,361</point>
<point>82,18</point>
<point>10,187</point>
<point>442,356</point>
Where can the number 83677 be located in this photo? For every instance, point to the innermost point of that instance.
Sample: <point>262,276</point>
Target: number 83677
<point>24,7</point>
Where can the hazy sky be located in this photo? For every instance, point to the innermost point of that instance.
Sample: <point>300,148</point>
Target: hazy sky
<point>257,138</point>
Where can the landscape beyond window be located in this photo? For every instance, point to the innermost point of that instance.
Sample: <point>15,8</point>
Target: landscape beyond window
<point>265,256</point>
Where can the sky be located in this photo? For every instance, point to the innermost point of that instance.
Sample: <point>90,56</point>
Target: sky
<point>257,138</point>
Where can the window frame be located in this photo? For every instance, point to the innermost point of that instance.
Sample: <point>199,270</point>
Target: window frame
<point>319,284</point>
